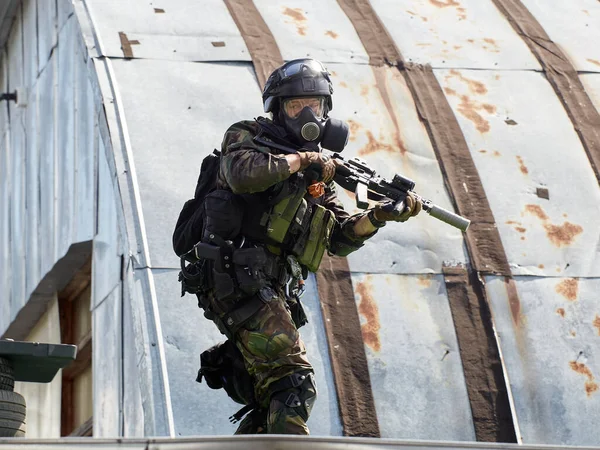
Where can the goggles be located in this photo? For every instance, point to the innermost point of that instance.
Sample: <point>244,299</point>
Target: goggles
<point>294,106</point>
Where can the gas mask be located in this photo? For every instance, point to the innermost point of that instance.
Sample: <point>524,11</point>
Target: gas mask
<point>308,130</point>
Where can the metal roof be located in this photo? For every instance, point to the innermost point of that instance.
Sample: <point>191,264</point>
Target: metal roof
<point>173,77</point>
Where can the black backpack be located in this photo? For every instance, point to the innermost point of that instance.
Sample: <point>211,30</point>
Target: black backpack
<point>188,229</point>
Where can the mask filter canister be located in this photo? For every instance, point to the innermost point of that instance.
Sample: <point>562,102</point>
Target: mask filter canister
<point>310,131</point>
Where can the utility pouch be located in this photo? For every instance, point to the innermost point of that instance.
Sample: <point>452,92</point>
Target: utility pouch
<point>311,246</point>
<point>290,210</point>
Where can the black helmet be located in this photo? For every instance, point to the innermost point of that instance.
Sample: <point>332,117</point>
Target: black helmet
<point>304,77</point>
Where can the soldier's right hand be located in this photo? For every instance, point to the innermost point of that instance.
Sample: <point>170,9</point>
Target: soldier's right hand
<point>318,162</point>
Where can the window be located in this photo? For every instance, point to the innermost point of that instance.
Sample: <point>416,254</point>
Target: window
<point>74,303</point>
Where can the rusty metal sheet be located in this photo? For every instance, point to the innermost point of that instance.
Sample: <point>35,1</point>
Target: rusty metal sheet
<point>454,34</point>
<point>549,345</point>
<point>386,132</point>
<point>65,129</point>
<point>413,354</point>
<point>168,163</point>
<point>527,151</point>
<point>178,30</point>
<point>578,36</point>
<point>328,37</point>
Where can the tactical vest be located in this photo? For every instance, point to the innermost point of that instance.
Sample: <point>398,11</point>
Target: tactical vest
<point>287,219</point>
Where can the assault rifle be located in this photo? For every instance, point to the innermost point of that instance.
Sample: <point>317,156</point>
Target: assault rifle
<point>356,176</point>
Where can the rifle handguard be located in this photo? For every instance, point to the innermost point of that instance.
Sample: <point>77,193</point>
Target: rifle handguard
<point>449,217</point>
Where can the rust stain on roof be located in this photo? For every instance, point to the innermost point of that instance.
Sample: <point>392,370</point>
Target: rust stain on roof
<point>343,84</point>
<point>497,153</point>
<point>450,91</point>
<point>444,3</point>
<point>477,87</point>
<point>521,229</point>
<point>561,312</point>
<point>563,235</point>
<point>594,61</point>
<point>364,90</point>
<point>536,210</point>
<point>568,288</point>
<point>369,310</point>
<point>573,333</point>
<point>590,385</point>
<point>462,13</point>
<point>374,145</point>
<point>541,266</point>
<point>354,127</point>
<point>596,323</point>
<point>470,109</point>
<point>296,14</point>
<point>332,34</point>
<point>482,151</point>
<point>524,169</point>
<point>513,301</point>
<point>381,83</point>
<point>424,280</point>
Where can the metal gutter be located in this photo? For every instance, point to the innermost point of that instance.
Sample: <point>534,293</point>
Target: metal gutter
<point>279,442</point>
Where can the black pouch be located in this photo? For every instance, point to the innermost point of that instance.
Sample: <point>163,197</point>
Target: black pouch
<point>222,366</point>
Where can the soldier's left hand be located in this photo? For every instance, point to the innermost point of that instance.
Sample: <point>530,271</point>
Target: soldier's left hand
<point>387,211</point>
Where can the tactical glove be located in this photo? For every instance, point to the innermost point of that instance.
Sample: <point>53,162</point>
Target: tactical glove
<point>319,163</point>
<point>386,211</point>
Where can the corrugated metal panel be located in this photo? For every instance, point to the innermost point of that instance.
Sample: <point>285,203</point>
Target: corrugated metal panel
<point>108,365</point>
<point>526,148</point>
<point>86,149</point>
<point>578,36</point>
<point>133,410</point>
<point>17,169</point>
<point>302,29</point>
<point>65,155</point>
<point>549,343</point>
<point>46,99</point>
<point>30,42</point>
<point>47,33</point>
<point>414,361</point>
<point>169,31</point>
<point>156,397</point>
<point>187,103</point>
<point>106,272</point>
<point>386,131</point>
<point>64,12</point>
<point>32,200</point>
<point>469,34</point>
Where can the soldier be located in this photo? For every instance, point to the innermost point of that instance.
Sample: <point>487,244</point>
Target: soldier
<point>273,215</point>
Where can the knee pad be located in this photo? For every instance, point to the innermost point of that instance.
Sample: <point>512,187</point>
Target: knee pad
<point>300,396</point>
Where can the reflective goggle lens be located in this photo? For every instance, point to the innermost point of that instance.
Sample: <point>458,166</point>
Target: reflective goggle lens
<point>294,106</point>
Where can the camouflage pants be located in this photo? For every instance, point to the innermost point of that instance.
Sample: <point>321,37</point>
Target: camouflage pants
<point>272,350</point>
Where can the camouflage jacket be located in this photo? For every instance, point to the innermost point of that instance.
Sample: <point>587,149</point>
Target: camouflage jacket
<point>247,168</point>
